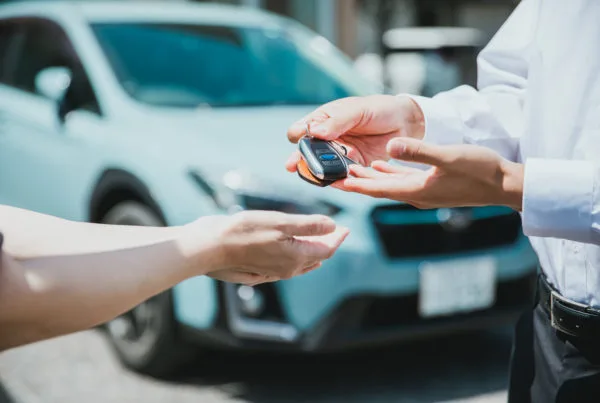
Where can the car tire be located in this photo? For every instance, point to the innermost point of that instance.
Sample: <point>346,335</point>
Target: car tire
<point>145,339</point>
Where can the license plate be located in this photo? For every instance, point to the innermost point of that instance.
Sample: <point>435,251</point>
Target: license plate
<point>457,286</point>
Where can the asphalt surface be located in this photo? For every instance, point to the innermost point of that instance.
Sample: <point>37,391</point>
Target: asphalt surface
<point>81,368</point>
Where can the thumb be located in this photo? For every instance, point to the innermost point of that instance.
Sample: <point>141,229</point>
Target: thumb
<point>413,150</point>
<point>339,119</point>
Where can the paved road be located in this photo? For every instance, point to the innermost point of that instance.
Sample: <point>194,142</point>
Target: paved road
<point>80,368</point>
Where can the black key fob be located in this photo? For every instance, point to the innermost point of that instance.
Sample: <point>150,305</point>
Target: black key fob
<point>321,163</point>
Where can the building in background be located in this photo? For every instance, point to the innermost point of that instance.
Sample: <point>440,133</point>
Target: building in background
<point>334,19</point>
<point>356,26</point>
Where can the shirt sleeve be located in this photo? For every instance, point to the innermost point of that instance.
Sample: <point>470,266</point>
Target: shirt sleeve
<point>492,114</point>
<point>560,197</point>
<point>561,200</point>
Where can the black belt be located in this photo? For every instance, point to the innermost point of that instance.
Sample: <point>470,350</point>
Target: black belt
<point>567,316</point>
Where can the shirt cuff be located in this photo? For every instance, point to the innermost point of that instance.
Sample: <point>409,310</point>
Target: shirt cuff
<point>558,198</point>
<point>442,125</point>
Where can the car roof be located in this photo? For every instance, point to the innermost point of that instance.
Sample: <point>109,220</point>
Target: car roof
<point>143,11</point>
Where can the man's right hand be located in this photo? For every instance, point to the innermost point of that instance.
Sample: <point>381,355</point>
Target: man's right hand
<point>364,125</point>
<point>254,247</point>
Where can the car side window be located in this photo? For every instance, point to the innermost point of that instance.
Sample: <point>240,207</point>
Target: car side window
<point>47,45</point>
<point>9,31</point>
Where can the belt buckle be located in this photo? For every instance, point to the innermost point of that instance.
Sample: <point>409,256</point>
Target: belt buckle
<point>553,296</point>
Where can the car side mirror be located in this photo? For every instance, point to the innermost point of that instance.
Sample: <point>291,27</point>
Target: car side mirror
<point>53,82</point>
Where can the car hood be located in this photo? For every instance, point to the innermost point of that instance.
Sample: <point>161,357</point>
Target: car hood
<point>248,140</point>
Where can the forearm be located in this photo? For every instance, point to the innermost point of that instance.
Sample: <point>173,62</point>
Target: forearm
<point>63,276</point>
<point>33,234</point>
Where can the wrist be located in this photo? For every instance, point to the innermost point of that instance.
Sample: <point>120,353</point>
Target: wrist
<point>413,118</point>
<point>200,245</point>
<point>512,185</point>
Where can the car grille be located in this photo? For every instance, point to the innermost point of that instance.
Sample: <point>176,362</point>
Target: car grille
<point>414,239</point>
<point>403,310</point>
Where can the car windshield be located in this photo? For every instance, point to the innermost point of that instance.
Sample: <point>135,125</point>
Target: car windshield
<point>181,65</point>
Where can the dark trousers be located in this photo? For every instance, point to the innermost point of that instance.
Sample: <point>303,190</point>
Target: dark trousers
<point>550,367</point>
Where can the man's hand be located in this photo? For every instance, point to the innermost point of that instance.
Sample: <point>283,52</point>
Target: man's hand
<point>364,125</point>
<point>259,246</point>
<point>462,175</point>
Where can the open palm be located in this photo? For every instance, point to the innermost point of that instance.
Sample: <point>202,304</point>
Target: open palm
<point>458,176</point>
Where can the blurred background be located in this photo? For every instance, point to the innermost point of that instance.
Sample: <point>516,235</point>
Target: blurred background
<point>101,104</point>
<point>405,62</point>
<point>359,27</point>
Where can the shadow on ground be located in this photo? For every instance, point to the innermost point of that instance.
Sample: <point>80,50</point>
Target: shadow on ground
<point>444,369</point>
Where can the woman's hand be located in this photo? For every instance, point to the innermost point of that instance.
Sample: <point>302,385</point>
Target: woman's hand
<point>262,246</point>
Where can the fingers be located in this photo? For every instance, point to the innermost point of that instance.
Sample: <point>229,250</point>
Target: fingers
<point>378,188</point>
<point>387,168</point>
<point>298,129</point>
<point>290,225</point>
<point>389,187</point>
<point>312,268</point>
<point>320,248</point>
<point>292,162</point>
<point>330,121</point>
<point>412,150</point>
<point>282,245</point>
<point>239,277</point>
<point>363,172</point>
<point>306,225</point>
<point>340,121</point>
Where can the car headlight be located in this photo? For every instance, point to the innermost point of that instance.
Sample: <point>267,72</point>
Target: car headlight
<point>235,191</point>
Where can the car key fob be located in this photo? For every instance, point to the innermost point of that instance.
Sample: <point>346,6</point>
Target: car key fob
<point>321,163</point>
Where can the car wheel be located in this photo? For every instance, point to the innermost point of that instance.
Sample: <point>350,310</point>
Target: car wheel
<point>145,338</point>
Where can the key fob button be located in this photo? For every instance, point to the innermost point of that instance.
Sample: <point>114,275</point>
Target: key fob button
<point>328,157</point>
<point>332,163</point>
<point>321,151</point>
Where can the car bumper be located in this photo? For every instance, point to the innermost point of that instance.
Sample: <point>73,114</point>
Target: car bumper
<point>373,320</point>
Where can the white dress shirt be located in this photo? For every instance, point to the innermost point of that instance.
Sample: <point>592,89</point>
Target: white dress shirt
<point>538,102</point>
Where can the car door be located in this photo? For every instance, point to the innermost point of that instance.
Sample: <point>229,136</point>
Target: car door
<point>44,159</point>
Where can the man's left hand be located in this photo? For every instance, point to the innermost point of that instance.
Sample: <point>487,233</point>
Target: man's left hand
<point>461,175</point>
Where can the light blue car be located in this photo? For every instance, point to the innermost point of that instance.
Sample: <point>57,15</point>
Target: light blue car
<point>141,114</point>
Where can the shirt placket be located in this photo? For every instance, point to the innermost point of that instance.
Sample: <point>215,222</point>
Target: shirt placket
<point>575,276</point>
